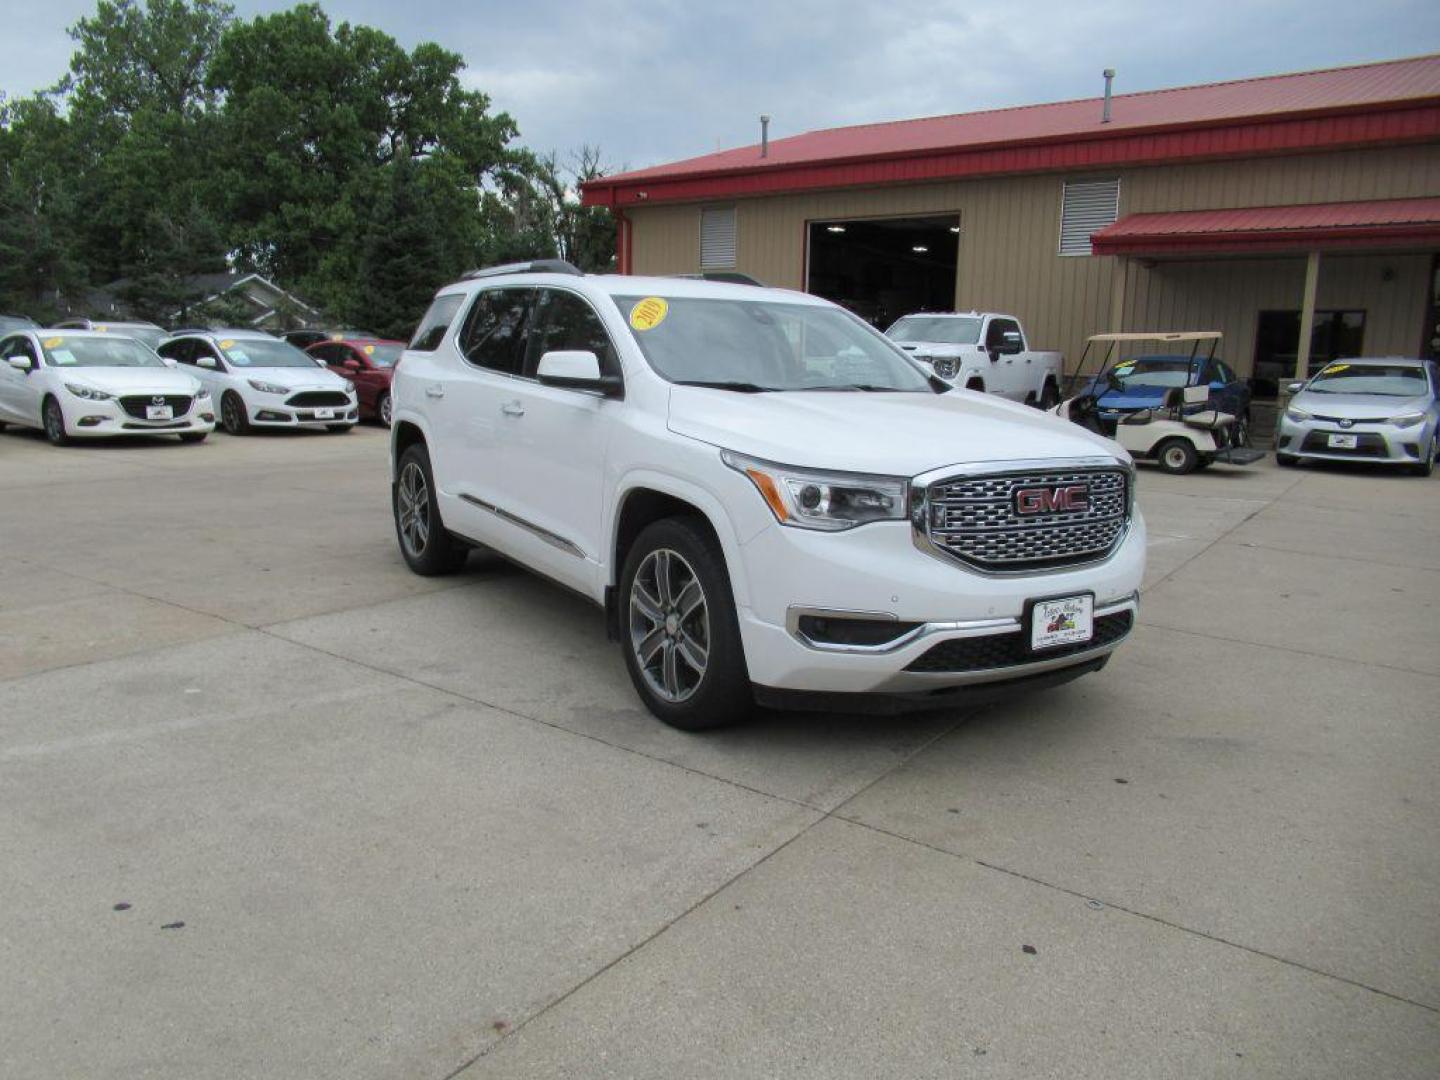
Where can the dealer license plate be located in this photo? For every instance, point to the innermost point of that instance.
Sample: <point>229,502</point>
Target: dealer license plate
<point>324,414</point>
<point>159,412</point>
<point>1343,442</point>
<point>1069,620</point>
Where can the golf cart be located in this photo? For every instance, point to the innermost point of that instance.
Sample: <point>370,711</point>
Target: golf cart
<point>1168,416</point>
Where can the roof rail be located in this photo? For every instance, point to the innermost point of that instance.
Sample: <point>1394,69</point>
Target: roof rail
<point>535,266</point>
<point>729,277</point>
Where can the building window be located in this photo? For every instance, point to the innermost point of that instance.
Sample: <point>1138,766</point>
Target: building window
<point>1086,207</point>
<point>1334,335</point>
<point>717,238</point>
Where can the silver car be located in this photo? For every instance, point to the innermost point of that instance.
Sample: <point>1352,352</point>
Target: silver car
<point>1384,410</point>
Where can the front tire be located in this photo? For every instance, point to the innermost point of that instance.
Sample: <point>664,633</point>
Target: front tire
<point>1427,464</point>
<point>679,630</point>
<point>53,419</point>
<point>385,410</point>
<point>424,544</point>
<point>233,417</point>
<point>1177,456</point>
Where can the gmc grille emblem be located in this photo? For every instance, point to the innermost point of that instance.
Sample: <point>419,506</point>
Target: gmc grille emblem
<point>1064,499</point>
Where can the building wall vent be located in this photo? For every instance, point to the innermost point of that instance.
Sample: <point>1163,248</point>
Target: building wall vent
<point>717,238</point>
<point>1086,207</point>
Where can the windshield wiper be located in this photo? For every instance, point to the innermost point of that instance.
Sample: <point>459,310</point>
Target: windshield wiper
<point>738,387</point>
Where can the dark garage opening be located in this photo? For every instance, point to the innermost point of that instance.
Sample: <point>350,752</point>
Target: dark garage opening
<point>883,268</point>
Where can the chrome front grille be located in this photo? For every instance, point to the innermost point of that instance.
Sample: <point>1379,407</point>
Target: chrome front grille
<point>977,520</point>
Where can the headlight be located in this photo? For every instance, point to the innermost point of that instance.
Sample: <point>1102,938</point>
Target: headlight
<point>201,393</point>
<point>349,387</point>
<point>1297,415</point>
<point>830,502</point>
<point>1407,420</point>
<point>89,393</point>
<point>269,387</point>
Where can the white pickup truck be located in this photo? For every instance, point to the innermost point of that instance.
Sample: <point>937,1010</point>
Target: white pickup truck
<point>982,350</point>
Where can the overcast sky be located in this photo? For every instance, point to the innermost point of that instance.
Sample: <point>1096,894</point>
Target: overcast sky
<point>657,80</point>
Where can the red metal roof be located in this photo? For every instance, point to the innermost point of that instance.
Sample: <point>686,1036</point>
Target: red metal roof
<point>1315,226</point>
<point>1397,100</point>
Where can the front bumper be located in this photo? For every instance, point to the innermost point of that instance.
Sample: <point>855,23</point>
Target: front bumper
<point>1379,442</point>
<point>87,419</point>
<point>272,411</point>
<point>968,625</point>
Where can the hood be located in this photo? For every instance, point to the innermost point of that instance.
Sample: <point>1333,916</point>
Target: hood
<point>889,434</point>
<point>1358,406</point>
<point>131,380</point>
<point>295,378</point>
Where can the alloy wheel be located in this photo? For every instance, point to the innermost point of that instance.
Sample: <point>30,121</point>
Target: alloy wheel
<point>412,510</point>
<point>386,410</point>
<point>228,415</point>
<point>669,625</point>
<point>54,422</point>
<point>1175,457</point>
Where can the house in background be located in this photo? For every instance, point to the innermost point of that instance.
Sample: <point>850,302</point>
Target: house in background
<point>229,298</point>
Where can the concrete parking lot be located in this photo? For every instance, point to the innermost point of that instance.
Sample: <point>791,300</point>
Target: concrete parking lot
<point>272,806</point>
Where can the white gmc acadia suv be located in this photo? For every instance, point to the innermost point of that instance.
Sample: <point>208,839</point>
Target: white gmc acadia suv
<point>770,500</point>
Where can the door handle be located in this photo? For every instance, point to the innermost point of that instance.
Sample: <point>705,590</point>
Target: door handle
<point>513,408</point>
<point>435,391</point>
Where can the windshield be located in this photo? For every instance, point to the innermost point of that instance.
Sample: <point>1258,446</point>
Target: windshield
<point>384,355</point>
<point>149,336</point>
<point>1157,371</point>
<point>940,329</point>
<point>64,351</point>
<point>264,353</point>
<point>1383,380</point>
<point>765,345</point>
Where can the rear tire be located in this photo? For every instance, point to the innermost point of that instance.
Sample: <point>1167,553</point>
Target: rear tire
<point>233,417</point>
<point>52,418</point>
<point>1177,456</point>
<point>424,544</point>
<point>1241,435</point>
<point>678,628</point>
<point>1049,396</point>
<point>194,436</point>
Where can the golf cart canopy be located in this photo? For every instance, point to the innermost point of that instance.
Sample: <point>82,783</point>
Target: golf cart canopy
<point>1172,336</point>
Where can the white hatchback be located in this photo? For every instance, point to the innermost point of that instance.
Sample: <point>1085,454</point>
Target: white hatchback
<point>86,384</point>
<point>258,380</point>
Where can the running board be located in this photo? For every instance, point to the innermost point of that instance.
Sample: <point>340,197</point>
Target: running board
<point>1239,455</point>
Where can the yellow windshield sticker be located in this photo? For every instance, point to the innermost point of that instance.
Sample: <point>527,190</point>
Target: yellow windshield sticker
<point>369,350</point>
<point>1333,368</point>
<point>337,337</point>
<point>102,329</point>
<point>649,313</point>
<point>1125,367</point>
<point>228,344</point>
<point>54,342</point>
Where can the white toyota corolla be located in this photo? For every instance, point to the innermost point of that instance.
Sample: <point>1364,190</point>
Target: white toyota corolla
<point>260,381</point>
<point>84,384</point>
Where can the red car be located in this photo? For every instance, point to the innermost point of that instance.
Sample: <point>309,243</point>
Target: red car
<point>367,362</point>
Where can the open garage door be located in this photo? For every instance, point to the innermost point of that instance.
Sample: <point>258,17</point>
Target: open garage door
<point>883,268</point>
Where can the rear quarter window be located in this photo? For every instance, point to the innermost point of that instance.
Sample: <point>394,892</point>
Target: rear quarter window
<point>437,320</point>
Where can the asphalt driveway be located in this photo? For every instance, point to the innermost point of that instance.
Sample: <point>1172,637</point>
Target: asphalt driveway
<point>272,806</point>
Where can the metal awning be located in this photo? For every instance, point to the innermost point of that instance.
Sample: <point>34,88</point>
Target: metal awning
<point>1378,223</point>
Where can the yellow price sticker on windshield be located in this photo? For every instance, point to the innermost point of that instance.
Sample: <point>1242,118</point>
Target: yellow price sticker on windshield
<point>369,350</point>
<point>649,313</point>
<point>228,344</point>
<point>1333,368</point>
<point>53,343</point>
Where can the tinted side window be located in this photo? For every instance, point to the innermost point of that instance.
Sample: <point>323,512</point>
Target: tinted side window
<point>436,321</point>
<point>179,351</point>
<point>329,354</point>
<point>565,321</point>
<point>494,333</point>
<point>995,335</point>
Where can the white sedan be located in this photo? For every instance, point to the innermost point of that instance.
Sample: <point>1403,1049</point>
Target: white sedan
<point>83,384</point>
<point>258,380</point>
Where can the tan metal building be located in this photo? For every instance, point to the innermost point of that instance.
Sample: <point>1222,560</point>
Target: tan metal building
<point>1299,214</point>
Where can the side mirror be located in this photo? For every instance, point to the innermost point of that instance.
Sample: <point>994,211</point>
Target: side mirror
<point>20,363</point>
<point>576,369</point>
<point>1295,388</point>
<point>351,365</point>
<point>206,362</point>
